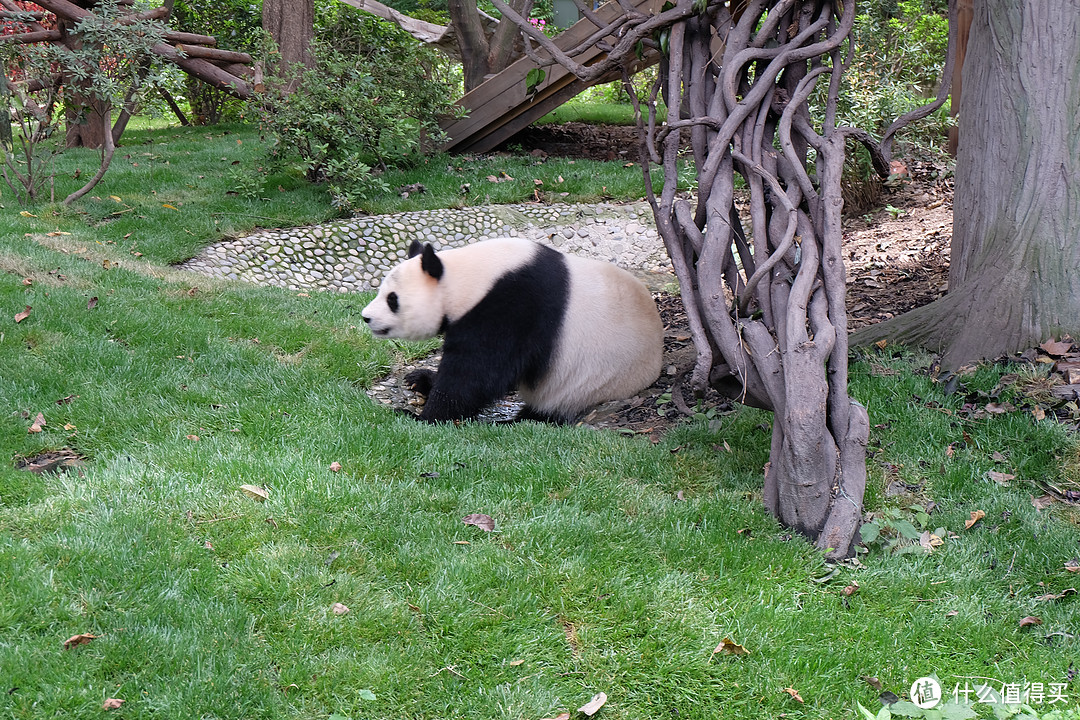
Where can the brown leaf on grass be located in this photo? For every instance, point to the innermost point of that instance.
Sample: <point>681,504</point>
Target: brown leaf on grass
<point>37,425</point>
<point>112,704</point>
<point>997,457</point>
<point>515,663</point>
<point>484,522</point>
<point>1051,596</point>
<point>597,702</point>
<point>929,541</point>
<point>793,693</point>
<point>872,682</point>
<point>728,647</point>
<point>1030,620</point>
<point>1072,565</point>
<point>339,609</point>
<point>192,438</point>
<point>1053,347</point>
<point>1042,502</point>
<point>1000,478</point>
<point>850,589</point>
<point>335,466</point>
<point>255,492</point>
<point>91,303</point>
<point>560,716</point>
<point>80,639</point>
<point>976,516</point>
<point>19,317</point>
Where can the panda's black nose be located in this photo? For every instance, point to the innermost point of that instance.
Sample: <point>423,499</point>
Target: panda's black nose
<point>366,319</point>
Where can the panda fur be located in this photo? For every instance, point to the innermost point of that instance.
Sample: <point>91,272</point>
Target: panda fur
<point>567,332</point>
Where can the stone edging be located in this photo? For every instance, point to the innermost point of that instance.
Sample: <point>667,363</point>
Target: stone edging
<point>353,255</point>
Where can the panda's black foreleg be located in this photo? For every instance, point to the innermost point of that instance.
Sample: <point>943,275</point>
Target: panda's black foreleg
<point>463,386</point>
<point>420,380</point>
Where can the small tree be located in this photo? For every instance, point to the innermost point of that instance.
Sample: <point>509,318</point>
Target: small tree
<point>109,64</point>
<point>372,100</point>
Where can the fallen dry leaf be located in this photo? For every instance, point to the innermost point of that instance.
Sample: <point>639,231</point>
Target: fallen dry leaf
<point>1051,596</point>
<point>515,663</point>
<point>1072,565</point>
<point>19,317</point>
<point>850,589</point>
<point>192,438</point>
<point>1042,502</point>
<point>1030,620</point>
<point>976,516</point>
<point>462,542</point>
<point>339,609</point>
<point>560,716</point>
<point>335,466</point>
<point>793,693</point>
<point>38,424</point>
<point>1000,478</point>
<point>929,540</point>
<point>92,303</point>
<point>590,708</point>
<point>255,492</point>
<point>28,281</point>
<point>484,522</point>
<point>872,682</point>
<point>80,639</point>
<point>728,647</point>
<point>112,704</point>
<point>1053,347</point>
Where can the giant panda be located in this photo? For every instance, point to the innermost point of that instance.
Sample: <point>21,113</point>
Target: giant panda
<point>567,332</point>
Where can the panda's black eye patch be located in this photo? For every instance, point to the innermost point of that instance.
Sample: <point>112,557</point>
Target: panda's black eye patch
<point>392,302</point>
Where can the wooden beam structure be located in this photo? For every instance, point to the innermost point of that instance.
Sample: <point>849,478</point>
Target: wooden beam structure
<point>502,106</point>
<point>192,53</point>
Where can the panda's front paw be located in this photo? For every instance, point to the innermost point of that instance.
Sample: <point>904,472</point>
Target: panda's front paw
<point>420,381</point>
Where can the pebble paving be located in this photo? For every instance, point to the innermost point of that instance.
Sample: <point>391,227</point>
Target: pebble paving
<point>353,255</point>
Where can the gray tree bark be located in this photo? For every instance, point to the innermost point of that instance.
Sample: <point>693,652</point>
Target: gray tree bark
<point>1014,278</point>
<point>292,25</point>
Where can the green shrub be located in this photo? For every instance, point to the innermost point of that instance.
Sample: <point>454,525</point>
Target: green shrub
<point>371,101</point>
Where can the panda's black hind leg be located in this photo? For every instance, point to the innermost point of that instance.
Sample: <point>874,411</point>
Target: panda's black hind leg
<point>528,413</point>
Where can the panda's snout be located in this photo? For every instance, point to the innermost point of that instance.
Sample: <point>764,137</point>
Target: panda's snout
<point>366,319</point>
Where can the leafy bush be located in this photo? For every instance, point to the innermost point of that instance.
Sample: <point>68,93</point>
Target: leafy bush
<point>371,101</point>
<point>899,55</point>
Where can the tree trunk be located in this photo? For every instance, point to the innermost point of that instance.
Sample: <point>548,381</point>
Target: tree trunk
<point>292,25</point>
<point>84,113</point>
<point>1014,280</point>
<point>483,54</point>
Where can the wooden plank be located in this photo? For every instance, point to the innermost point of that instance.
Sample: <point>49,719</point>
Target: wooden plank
<point>501,100</point>
<point>497,133</point>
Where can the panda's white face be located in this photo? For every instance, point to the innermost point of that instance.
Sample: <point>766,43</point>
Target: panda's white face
<point>409,304</point>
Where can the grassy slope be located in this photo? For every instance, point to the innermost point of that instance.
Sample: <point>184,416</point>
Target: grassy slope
<point>210,604</point>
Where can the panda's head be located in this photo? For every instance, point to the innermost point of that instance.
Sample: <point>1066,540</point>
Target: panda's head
<point>410,302</point>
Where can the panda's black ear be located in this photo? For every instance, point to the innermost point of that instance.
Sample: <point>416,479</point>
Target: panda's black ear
<point>430,262</point>
<point>415,248</point>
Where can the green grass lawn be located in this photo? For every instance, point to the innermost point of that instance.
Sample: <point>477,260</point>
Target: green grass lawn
<point>616,565</point>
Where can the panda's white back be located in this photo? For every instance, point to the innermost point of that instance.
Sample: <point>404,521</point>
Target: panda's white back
<point>611,345</point>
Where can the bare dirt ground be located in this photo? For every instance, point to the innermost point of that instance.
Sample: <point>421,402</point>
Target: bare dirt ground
<point>897,256</point>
